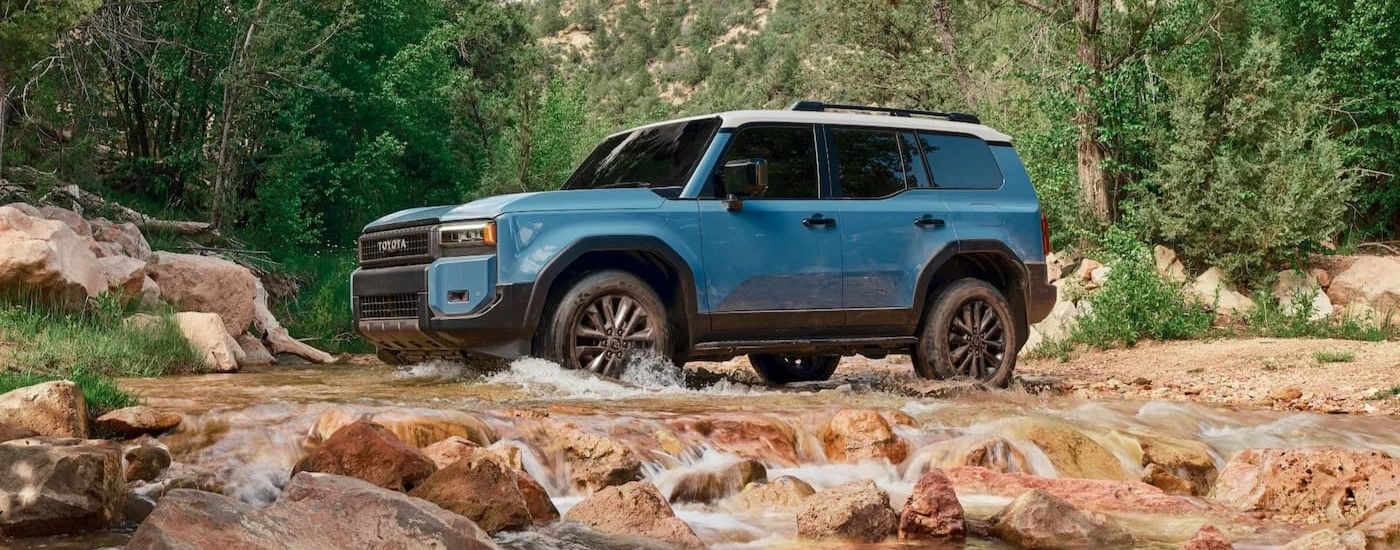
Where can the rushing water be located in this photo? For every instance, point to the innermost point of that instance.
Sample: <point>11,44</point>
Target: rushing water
<point>252,427</point>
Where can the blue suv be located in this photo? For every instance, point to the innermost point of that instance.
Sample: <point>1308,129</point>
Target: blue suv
<point>794,236</point>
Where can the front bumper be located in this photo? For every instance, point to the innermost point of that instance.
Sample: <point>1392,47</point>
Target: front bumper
<point>415,330</point>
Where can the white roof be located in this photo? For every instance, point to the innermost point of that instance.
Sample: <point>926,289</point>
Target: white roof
<point>734,119</point>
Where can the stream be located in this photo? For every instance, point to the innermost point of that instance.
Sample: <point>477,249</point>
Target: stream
<point>252,427</point>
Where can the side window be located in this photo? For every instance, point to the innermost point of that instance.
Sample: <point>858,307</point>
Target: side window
<point>960,162</point>
<point>870,162</point>
<point>918,170</point>
<point>791,152</point>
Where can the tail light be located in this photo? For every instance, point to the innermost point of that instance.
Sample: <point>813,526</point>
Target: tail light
<point>1045,234</point>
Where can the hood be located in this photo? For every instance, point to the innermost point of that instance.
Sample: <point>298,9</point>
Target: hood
<point>491,207</point>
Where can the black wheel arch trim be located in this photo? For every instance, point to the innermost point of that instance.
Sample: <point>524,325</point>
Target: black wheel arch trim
<point>1030,280</point>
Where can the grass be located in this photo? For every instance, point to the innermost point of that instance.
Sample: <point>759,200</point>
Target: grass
<point>1334,356</point>
<point>321,312</point>
<point>1271,319</point>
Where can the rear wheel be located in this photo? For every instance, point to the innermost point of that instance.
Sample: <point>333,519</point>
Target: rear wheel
<point>603,321</point>
<point>969,332</point>
<point>782,369</point>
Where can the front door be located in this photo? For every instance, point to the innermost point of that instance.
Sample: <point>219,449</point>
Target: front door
<point>774,266</point>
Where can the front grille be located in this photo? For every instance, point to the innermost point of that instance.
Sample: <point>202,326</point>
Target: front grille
<point>391,306</point>
<point>410,245</point>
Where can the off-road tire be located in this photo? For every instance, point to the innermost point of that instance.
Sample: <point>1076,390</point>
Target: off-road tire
<point>584,307</point>
<point>961,334</point>
<point>783,369</point>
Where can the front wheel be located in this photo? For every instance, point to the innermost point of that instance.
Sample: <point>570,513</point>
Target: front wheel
<point>969,332</point>
<point>782,369</point>
<point>603,321</point>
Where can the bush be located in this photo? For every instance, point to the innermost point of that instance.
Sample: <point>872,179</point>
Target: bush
<point>1136,302</point>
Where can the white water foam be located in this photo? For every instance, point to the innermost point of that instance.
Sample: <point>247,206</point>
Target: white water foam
<point>642,377</point>
<point>431,371</point>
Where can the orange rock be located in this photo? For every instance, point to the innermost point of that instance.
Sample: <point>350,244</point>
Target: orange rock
<point>370,452</point>
<point>856,435</point>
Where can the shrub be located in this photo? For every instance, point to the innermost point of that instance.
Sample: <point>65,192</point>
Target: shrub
<point>1136,302</point>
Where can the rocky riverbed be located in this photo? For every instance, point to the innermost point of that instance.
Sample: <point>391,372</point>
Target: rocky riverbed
<point>537,457</point>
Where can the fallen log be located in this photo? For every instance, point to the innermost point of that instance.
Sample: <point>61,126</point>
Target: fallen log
<point>276,336</point>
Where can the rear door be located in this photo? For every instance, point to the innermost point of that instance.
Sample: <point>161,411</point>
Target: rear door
<point>893,223</point>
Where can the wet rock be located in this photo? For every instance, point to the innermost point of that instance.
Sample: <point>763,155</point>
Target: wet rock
<point>1211,288</point>
<point>1089,494</point>
<point>899,418</point>
<point>1329,539</point>
<point>55,486</point>
<point>52,409</point>
<point>857,435</point>
<point>10,433</point>
<point>757,437</point>
<point>137,421</point>
<point>481,489</point>
<point>634,508</point>
<point>932,510</point>
<point>315,511</point>
<point>986,451</point>
<point>1038,519</point>
<point>595,461</point>
<point>857,511</point>
<point>207,284</point>
<point>709,486</point>
<point>1177,466</point>
<point>123,275</point>
<point>448,451</point>
<point>368,451</point>
<point>1311,484</point>
<point>47,257</point>
<point>146,462</point>
<point>125,235</point>
<point>1373,281</point>
<point>419,429</point>
<point>537,499</point>
<point>1208,538</point>
<point>254,352</point>
<point>1074,454</point>
<point>180,476</point>
<point>783,493</point>
<point>1168,482</point>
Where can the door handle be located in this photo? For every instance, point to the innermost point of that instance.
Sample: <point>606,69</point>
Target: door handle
<point>818,221</point>
<point>929,221</point>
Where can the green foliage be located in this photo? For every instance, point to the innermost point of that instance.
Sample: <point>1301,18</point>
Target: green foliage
<point>1271,319</point>
<point>1334,356</point>
<point>100,391</point>
<point>321,314</point>
<point>1135,302</point>
<point>42,338</point>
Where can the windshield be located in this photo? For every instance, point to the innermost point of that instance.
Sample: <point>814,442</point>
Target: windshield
<point>653,157</point>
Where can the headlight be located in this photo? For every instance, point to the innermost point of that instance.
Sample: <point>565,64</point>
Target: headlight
<point>468,234</point>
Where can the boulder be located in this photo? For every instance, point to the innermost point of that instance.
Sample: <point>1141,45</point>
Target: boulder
<point>55,486</point>
<point>1085,271</point>
<point>1177,466</point>
<point>857,435</point>
<point>125,235</point>
<point>750,436</point>
<point>48,258</point>
<point>1329,539</point>
<point>634,508</point>
<point>481,489</point>
<point>210,338</point>
<point>986,451</point>
<point>1038,519</point>
<point>537,499</point>
<point>417,428</point>
<point>315,511</point>
<point>1089,494</point>
<point>254,352</point>
<point>123,275</point>
<point>1208,538</point>
<point>448,451</point>
<point>1074,454</point>
<point>932,510</point>
<point>1099,275</point>
<point>207,284</point>
<point>1373,281</point>
<point>150,294</point>
<point>595,461</point>
<point>783,493</point>
<point>1300,293</point>
<point>28,209</point>
<point>146,462</point>
<point>1061,320</point>
<point>1211,288</point>
<point>371,452</point>
<point>52,409</point>
<point>1315,484</point>
<point>137,421</point>
<point>69,218</point>
<point>709,486</point>
<point>11,433</point>
<point>1168,266</point>
<point>180,476</point>
<point>858,511</point>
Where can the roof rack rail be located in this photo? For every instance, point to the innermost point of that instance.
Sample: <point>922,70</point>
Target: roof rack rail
<point>817,106</point>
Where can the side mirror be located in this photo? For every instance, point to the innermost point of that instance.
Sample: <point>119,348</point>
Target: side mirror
<point>743,178</point>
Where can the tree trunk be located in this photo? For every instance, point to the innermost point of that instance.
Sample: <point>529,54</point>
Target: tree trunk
<point>4,120</point>
<point>1094,183</point>
<point>943,14</point>
<point>233,94</point>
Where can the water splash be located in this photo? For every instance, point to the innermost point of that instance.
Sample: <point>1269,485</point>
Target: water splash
<point>643,376</point>
<point>431,372</point>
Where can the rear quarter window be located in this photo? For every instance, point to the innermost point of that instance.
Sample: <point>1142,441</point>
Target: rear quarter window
<point>960,162</point>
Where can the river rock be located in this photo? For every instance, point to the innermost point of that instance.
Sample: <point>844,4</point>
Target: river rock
<point>1373,281</point>
<point>1311,484</point>
<point>783,493</point>
<point>481,489</point>
<point>858,435</point>
<point>180,476</point>
<point>634,508</point>
<point>1329,539</point>
<point>254,351</point>
<point>1211,288</point>
<point>1090,494</point>
<point>1177,466</point>
<point>11,433</point>
<point>316,511</point>
<point>858,511</point>
<point>932,510</point>
<point>210,338</point>
<point>709,486</point>
<point>146,462</point>
<point>448,451</point>
<point>56,486</point>
<point>125,235</point>
<point>124,275</point>
<point>1038,519</point>
<point>595,461</point>
<point>137,421</point>
<point>750,436</point>
<point>419,429</point>
<point>368,451</point>
<point>537,499</point>
<point>207,284</point>
<point>52,409</point>
<point>1208,538</point>
<point>46,257</point>
<point>1074,454</point>
<point>986,451</point>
